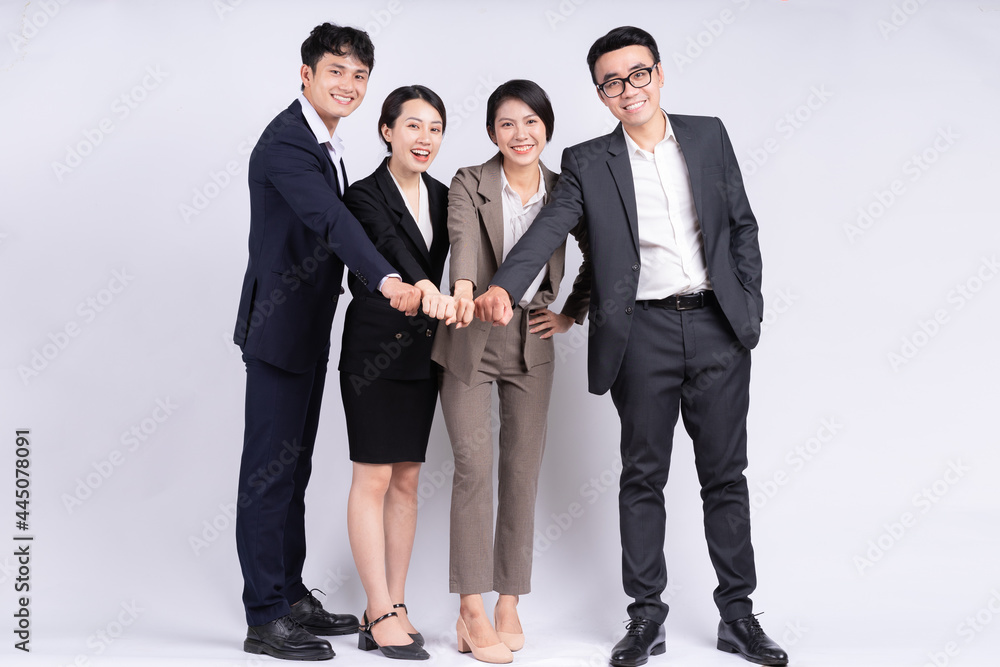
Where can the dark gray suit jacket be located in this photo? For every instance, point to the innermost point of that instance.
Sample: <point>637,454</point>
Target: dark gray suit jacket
<point>596,184</point>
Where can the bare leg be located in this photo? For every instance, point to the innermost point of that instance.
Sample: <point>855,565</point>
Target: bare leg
<point>481,631</point>
<point>400,528</point>
<point>365,508</point>
<point>506,615</point>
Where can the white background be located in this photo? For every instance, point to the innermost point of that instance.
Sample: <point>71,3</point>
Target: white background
<point>827,103</point>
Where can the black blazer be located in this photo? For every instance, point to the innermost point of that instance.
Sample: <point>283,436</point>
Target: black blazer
<point>379,341</point>
<point>301,236</point>
<point>596,183</point>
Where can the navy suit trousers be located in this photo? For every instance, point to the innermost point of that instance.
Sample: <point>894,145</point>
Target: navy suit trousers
<point>282,413</point>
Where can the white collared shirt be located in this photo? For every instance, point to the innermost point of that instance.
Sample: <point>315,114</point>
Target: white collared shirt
<point>333,143</point>
<point>423,215</point>
<point>671,250</point>
<point>517,217</point>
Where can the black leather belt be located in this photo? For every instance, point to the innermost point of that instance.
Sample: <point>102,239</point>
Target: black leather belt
<point>681,301</point>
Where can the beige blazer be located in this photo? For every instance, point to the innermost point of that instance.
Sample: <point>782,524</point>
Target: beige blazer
<point>476,229</point>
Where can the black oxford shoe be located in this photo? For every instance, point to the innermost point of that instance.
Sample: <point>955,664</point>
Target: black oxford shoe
<point>309,613</point>
<point>746,637</point>
<point>642,639</point>
<point>284,638</point>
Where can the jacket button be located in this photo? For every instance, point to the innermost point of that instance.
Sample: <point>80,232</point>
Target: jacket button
<point>429,333</point>
<point>635,267</point>
<point>398,336</point>
<point>628,310</point>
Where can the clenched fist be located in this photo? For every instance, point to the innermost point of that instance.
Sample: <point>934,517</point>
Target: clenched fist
<point>402,296</point>
<point>494,306</point>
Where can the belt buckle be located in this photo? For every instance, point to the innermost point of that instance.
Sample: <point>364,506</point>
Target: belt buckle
<point>694,303</point>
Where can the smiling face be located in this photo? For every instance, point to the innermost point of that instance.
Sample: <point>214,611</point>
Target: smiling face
<point>635,106</point>
<point>415,137</point>
<point>518,132</point>
<point>336,87</point>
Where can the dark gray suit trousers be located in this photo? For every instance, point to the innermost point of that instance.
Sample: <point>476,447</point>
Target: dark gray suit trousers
<point>689,362</point>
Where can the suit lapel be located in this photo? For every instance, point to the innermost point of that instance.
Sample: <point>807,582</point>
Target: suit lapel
<point>556,262</point>
<point>692,158</point>
<point>404,220</point>
<point>437,202</point>
<point>621,171</point>
<point>491,209</point>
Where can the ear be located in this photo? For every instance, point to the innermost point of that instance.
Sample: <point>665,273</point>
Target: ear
<point>386,132</point>
<point>306,74</point>
<point>659,73</point>
<point>492,135</point>
<point>602,97</point>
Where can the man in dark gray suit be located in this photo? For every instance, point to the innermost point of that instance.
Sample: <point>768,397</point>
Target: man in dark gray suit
<point>675,309</point>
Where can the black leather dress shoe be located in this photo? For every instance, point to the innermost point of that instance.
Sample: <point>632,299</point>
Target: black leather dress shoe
<point>746,637</point>
<point>642,639</point>
<point>286,639</point>
<point>309,613</point>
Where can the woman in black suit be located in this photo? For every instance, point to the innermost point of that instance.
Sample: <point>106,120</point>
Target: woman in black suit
<point>385,362</point>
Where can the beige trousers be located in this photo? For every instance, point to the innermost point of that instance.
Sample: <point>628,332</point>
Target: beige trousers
<point>480,563</point>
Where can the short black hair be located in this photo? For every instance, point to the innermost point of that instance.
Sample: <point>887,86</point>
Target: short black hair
<point>393,107</point>
<point>528,92</point>
<point>619,38</point>
<point>339,41</point>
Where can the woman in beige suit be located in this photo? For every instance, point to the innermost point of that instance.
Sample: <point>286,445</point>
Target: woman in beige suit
<point>489,207</point>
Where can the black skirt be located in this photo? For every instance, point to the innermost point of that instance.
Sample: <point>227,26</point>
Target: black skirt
<point>388,421</point>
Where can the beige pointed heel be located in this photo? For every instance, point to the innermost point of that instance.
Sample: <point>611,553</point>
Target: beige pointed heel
<point>512,640</point>
<point>497,654</point>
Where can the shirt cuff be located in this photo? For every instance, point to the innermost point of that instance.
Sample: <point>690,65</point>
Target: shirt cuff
<point>391,275</point>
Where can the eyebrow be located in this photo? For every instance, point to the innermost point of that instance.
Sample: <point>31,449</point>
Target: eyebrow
<point>615,75</point>
<point>530,115</point>
<point>421,120</point>
<point>343,66</point>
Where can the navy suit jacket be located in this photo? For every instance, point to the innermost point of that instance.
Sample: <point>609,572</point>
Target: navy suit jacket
<point>378,339</point>
<point>301,236</point>
<point>596,183</point>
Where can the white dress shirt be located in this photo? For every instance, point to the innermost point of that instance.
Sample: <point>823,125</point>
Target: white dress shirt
<point>333,143</point>
<point>517,217</point>
<point>422,216</point>
<point>671,251</point>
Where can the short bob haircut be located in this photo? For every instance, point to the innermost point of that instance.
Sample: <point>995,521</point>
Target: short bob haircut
<point>393,107</point>
<point>619,38</point>
<point>339,41</point>
<point>528,92</point>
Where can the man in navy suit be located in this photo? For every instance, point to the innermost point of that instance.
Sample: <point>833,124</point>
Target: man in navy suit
<point>675,309</point>
<point>301,236</point>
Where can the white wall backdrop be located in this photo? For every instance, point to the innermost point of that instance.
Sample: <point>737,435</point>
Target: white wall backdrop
<point>868,137</point>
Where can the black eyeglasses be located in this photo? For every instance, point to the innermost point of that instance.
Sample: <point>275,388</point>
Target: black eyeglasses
<point>639,79</point>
